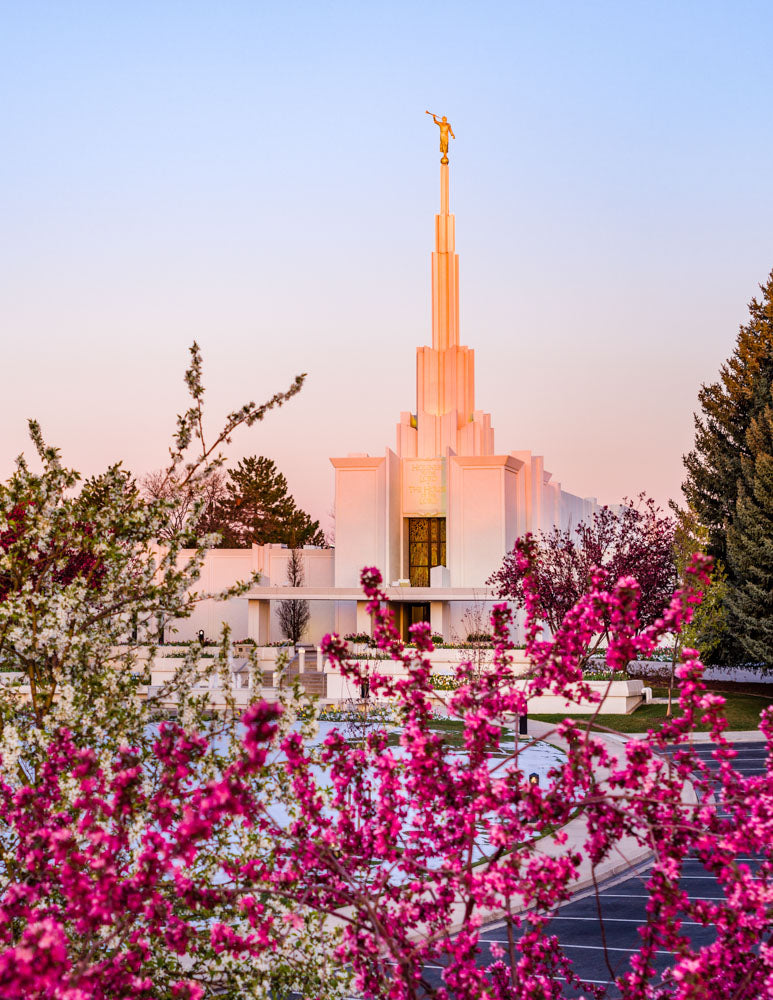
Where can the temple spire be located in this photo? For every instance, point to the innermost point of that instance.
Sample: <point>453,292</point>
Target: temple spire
<point>445,200</point>
<point>446,418</point>
<point>445,273</point>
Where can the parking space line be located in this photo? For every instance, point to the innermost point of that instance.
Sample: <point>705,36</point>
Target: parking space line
<point>690,899</point>
<point>626,920</point>
<point>599,947</point>
<point>697,861</point>
<point>594,982</point>
<point>557,979</point>
<point>750,770</point>
<point>713,878</point>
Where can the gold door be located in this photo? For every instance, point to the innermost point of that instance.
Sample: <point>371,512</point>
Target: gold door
<point>426,547</point>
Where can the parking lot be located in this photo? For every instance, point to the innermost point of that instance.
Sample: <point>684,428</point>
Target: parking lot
<point>600,956</point>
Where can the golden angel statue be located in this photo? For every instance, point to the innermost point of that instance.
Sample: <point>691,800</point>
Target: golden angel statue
<point>445,130</point>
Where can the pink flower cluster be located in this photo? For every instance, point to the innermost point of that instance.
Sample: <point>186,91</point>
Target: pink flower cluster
<point>85,892</point>
<point>404,843</point>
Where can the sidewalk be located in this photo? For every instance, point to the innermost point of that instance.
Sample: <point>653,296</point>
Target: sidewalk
<point>736,736</point>
<point>627,855</point>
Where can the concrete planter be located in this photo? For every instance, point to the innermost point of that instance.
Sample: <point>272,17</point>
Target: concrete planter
<point>443,661</point>
<point>447,660</point>
<point>370,666</point>
<point>622,697</point>
<point>339,688</point>
<point>360,648</point>
<point>243,650</point>
<point>268,655</point>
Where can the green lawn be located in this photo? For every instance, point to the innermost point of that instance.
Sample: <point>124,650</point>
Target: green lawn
<point>742,712</point>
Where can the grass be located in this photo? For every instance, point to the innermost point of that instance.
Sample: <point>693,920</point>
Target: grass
<point>741,710</point>
<point>453,732</point>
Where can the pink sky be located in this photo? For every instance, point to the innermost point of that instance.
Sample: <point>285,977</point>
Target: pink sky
<point>265,181</point>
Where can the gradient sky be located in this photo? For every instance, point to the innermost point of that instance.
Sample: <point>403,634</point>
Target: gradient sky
<point>262,178</point>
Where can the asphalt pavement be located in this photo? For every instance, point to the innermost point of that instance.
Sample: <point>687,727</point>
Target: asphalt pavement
<point>599,933</point>
<point>599,956</point>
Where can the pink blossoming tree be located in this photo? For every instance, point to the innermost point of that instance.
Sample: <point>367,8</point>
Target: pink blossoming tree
<point>636,540</point>
<point>243,857</point>
<point>385,839</point>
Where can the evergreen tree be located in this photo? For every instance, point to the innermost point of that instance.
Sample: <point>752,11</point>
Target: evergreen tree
<point>708,629</point>
<point>257,508</point>
<point>750,544</point>
<point>728,407</point>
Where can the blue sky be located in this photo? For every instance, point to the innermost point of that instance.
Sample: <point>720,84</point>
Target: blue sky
<point>263,178</point>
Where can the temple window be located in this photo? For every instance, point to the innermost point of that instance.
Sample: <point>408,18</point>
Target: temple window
<point>426,547</point>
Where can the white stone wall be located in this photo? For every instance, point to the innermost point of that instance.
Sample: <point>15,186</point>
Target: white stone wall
<point>224,567</point>
<point>361,517</point>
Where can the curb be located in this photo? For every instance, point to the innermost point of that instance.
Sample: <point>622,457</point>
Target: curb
<point>630,854</point>
<point>736,736</point>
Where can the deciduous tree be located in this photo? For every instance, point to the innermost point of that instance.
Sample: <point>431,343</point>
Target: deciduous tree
<point>294,616</point>
<point>634,541</point>
<point>206,493</point>
<point>100,896</point>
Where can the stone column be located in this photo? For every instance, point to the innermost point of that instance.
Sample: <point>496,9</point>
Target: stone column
<point>364,621</point>
<point>439,617</point>
<point>259,620</point>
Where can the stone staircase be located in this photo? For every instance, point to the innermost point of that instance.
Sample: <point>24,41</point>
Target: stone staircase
<point>312,681</point>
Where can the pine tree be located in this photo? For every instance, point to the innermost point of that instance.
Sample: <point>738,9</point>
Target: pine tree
<point>728,406</point>
<point>257,508</point>
<point>708,629</point>
<point>750,544</point>
<point>743,389</point>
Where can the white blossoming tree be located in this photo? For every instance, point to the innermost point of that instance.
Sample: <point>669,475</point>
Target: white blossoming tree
<point>86,586</point>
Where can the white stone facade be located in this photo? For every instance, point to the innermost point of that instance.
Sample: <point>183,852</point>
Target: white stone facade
<point>445,466</point>
<point>444,479</point>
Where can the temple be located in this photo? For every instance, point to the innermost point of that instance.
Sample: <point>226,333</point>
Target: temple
<point>436,514</point>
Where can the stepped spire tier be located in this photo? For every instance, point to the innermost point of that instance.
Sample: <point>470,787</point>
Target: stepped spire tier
<point>445,273</point>
<point>445,416</point>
